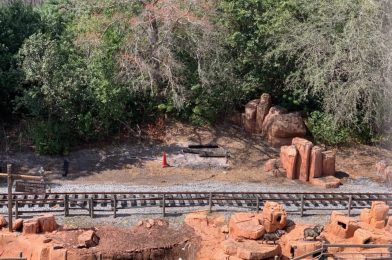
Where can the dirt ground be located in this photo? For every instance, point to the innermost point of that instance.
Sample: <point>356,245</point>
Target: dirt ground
<point>138,160</point>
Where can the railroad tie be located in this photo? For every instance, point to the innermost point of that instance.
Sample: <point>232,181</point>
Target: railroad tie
<point>181,200</point>
<point>143,201</point>
<point>41,200</point>
<point>52,200</point>
<point>124,202</point>
<point>153,200</point>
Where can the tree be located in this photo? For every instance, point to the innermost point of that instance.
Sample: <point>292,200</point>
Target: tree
<point>175,52</point>
<point>17,22</point>
<point>342,56</point>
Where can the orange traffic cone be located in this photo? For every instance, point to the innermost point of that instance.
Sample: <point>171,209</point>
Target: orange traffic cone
<point>164,161</point>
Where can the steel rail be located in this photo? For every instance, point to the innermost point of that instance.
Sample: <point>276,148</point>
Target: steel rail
<point>302,201</point>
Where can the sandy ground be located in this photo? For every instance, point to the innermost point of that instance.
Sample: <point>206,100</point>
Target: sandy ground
<point>139,161</point>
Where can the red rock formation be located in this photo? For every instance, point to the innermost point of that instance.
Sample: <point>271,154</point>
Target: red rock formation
<point>270,118</point>
<point>328,182</point>
<point>31,226</point>
<point>282,128</point>
<point>342,226</point>
<point>47,223</point>
<point>88,239</point>
<point>3,222</point>
<point>249,249</point>
<point>299,248</point>
<point>250,115</point>
<point>362,236</point>
<point>273,217</point>
<point>17,225</point>
<point>261,111</point>
<point>377,216</point>
<point>328,163</point>
<point>245,225</point>
<point>288,158</point>
<point>365,216</point>
<point>208,227</point>
<point>304,148</point>
<point>316,162</point>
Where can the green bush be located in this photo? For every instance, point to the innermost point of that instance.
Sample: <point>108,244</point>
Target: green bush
<point>324,129</point>
<point>51,137</point>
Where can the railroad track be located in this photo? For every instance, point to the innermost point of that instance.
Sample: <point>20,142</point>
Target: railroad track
<point>100,202</point>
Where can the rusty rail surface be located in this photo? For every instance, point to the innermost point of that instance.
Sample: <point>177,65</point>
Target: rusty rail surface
<point>92,202</point>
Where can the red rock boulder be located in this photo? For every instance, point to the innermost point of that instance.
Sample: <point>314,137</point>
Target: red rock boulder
<point>3,221</point>
<point>31,226</point>
<point>273,216</point>
<point>270,118</point>
<point>249,249</point>
<point>304,148</point>
<point>362,236</point>
<point>316,162</point>
<point>17,225</point>
<point>88,239</point>
<point>365,216</point>
<point>47,223</point>
<point>288,158</point>
<point>245,225</point>
<point>342,226</point>
<point>329,163</point>
<point>284,127</point>
<point>261,111</point>
<point>298,248</point>
<point>379,210</point>
<point>328,182</point>
<point>376,216</point>
<point>250,115</point>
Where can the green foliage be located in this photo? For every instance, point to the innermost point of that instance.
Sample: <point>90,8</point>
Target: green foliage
<point>81,70</point>
<point>340,54</point>
<point>324,129</point>
<point>251,24</point>
<point>51,137</point>
<point>17,22</point>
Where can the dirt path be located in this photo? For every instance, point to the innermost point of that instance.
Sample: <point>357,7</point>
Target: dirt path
<point>139,162</point>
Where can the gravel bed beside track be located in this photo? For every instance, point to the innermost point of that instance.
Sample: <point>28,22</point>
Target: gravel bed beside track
<point>351,185</point>
<point>129,217</point>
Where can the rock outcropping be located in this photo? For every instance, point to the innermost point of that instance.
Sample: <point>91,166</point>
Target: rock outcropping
<point>277,125</point>
<point>307,162</point>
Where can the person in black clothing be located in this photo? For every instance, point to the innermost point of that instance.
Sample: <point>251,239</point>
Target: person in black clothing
<point>65,168</point>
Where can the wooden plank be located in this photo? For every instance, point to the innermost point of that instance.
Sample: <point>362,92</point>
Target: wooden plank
<point>30,187</point>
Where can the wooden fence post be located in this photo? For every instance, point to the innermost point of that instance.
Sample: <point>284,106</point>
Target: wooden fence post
<point>91,207</point>
<point>163,205</point>
<point>350,200</point>
<point>9,184</point>
<point>16,209</point>
<point>210,203</point>
<point>66,206</point>
<point>114,206</point>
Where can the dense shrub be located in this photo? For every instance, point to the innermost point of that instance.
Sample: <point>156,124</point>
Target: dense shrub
<point>82,70</point>
<point>324,129</point>
<point>17,22</point>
